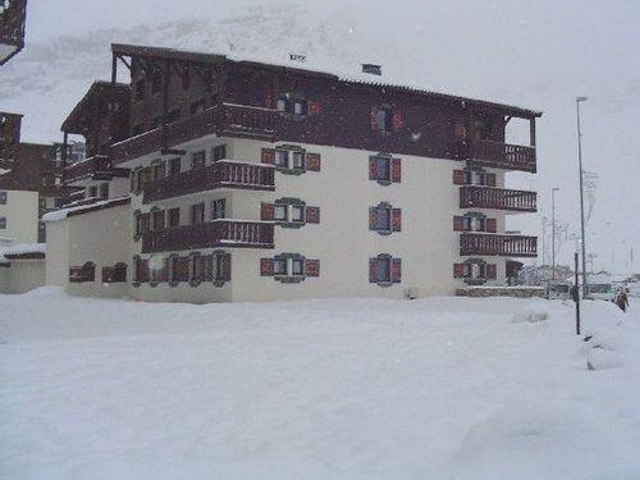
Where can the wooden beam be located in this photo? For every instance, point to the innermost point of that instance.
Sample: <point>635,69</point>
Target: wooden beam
<point>532,131</point>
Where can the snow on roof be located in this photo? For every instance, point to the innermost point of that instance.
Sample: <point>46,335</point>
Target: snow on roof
<point>63,213</point>
<point>23,251</point>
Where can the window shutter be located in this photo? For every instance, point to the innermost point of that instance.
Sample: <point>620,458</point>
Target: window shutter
<point>492,225</point>
<point>373,168</point>
<point>373,218</point>
<point>396,219</point>
<point>458,224</point>
<point>225,266</point>
<point>312,268</point>
<point>312,214</point>
<point>396,270</point>
<point>313,162</point>
<point>266,211</point>
<point>373,118</point>
<point>491,179</point>
<point>459,270</point>
<point>459,177</point>
<point>208,268</point>
<point>396,170</point>
<point>398,120</point>
<point>145,222</point>
<point>266,267</point>
<point>491,271</point>
<point>181,267</point>
<point>268,156</point>
<point>373,270</point>
<point>314,107</point>
<point>144,270</point>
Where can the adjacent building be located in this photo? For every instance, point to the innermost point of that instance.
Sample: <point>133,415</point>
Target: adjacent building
<point>215,179</point>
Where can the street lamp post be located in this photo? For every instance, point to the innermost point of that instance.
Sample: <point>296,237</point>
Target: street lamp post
<point>553,233</point>
<point>585,288</point>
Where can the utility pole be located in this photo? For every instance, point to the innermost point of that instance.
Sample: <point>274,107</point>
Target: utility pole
<point>575,293</point>
<point>553,233</point>
<point>585,286</point>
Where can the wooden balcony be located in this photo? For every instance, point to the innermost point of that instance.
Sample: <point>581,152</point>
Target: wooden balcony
<point>93,168</point>
<point>223,120</point>
<point>222,174</point>
<point>13,14</point>
<point>217,234</point>
<point>498,199</point>
<point>502,155</point>
<point>482,244</point>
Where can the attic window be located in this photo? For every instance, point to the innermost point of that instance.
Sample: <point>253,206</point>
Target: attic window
<point>295,106</point>
<point>372,69</point>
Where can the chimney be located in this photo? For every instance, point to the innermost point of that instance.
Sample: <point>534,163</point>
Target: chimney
<point>372,69</point>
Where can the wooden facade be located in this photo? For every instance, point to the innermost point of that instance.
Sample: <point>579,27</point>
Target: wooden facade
<point>13,17</point>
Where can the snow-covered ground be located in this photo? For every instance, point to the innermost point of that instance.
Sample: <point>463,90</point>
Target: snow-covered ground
<point>443,388</point>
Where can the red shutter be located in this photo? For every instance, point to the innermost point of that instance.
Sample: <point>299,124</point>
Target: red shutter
<point>396,170</point>
<point>314,107</point>
<point>396,219</point>
<point>312,214</point>
<point>373,270</point>
<point>396,270</point>
<point>491,225</point>
<point>268,156</point>
<point>491,271</point>
<point>458,224</point>
<point>266,211</point>
<point>225,267</point>
<point>459,177</point>
<point>459,270</point>
<point>266,267</point>
<point>145,222</point>
<point>313,162</point>
<point>373,119</point>
<point>491,179</point>
<point>460,131</point>
<point>373,168</point>
<point>373,217</point>
<point>269,101</point>
<point>398,120</point>
<point>312,268</point>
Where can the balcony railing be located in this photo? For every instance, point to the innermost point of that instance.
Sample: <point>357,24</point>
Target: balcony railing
<point>224,119</point>
<point>498,245</point>
<point>222,174</point>
<point>97,168</point>
<point>503,155</point>
<point>498,199</point>
<point>12,22</point>
<point>219,233</point>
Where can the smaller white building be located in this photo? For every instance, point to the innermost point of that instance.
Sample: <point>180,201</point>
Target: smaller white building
<point>22,267</point>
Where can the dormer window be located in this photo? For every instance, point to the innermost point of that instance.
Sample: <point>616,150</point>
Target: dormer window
<point>288,104</point>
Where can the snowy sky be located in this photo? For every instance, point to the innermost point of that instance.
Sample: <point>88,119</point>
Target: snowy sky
<point>538,54</point>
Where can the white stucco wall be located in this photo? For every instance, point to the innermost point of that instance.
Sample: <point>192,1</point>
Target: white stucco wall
<point>22,276</point>
<point>21,212</point>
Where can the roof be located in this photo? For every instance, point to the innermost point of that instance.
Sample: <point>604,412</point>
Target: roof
<point>74,121</point>
<point>337,74</point>
<point>23,251</point>
<point>64,213</point>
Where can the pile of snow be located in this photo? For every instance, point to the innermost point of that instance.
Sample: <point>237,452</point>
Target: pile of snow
<point>443,388</point>
<point>537,311</point>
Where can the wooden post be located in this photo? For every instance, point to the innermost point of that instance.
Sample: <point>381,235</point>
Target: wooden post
<point>165,105</point>
<point>532,131</point>
<point>114,68</point>
<point>63,155</point>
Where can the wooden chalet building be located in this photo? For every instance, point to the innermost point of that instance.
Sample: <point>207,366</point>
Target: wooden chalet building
<point>13,16</point>
<point>231,180</point>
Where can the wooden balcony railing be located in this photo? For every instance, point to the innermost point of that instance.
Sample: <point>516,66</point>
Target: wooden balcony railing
<point>498,199</point>
<point>224,119</point>
<point>222,174</point>
<point>503,155</point>
<point>498,245</point>
<point>12,22</point>
<point>85,169</point>
<point>219,233</point>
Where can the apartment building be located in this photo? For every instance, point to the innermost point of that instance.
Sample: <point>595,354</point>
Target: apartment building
<point>225,179</point>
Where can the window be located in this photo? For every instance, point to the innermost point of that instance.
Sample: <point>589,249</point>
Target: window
<point>289,268</point>
<point>280,266</point>
<point>104,190</point>
<point>200,268</point>
<point>385,219</point>
<point>157,220</point>
<point>197,107</point>
<point>296,106</point>
<point>140,89</point>
<point>115,274</point>
<point>93,192</point>
<point>197,214</point>
<point>198,159</point>
<point>297,160</point>
<point>175,166</point>
<point>384,119</point>
<point>382,168</point>
<point>219,153</point>
<point>280,212</point>
<point>156,82</point>
<point>223,267</point>
<point>281,105</point>
<point>158,171</point>
<point>297,266</point>
<point>218,208</point>
<point>297,213</point>
<point>174,217</point>
<point>282,158</point>
<point>3,198</point>
<point>3,223</point>
<point>385,270</point>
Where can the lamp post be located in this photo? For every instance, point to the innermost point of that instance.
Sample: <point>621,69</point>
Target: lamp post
<point>553,233</point>
<point>585,288</point>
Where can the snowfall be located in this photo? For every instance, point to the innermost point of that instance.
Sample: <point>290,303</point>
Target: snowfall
<point>440,388</point>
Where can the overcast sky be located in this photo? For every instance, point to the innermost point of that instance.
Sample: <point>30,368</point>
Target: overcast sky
<point>539,54</point>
